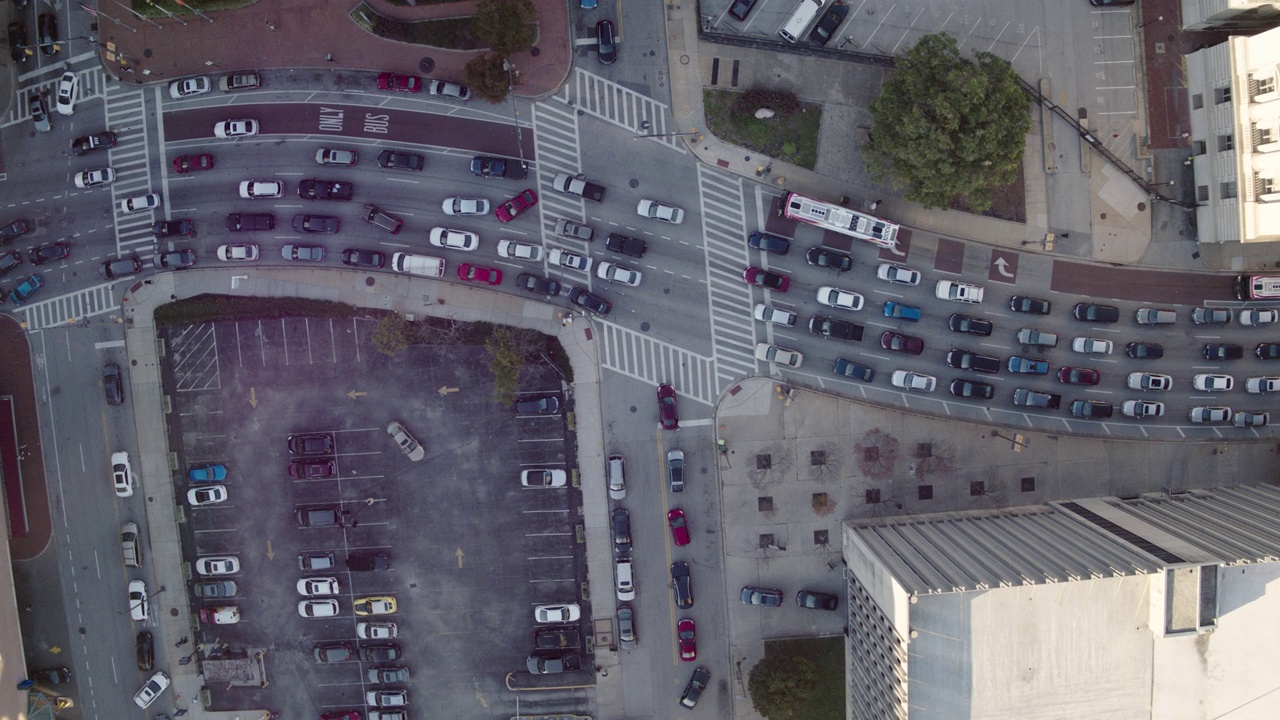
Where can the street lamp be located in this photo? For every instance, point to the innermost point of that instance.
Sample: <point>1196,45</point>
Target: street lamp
<point>1158,19</point>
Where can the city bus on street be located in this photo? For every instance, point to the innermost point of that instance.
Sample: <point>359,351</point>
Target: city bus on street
<point>1257,287</point>
<point>795,206</point>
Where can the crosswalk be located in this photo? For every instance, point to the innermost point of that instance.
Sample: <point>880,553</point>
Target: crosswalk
<point>91,86</point>
<point>621,106</point>
<point>70,308</point>
<point>724,226</point>
<point>131,158</point>
<point>640,356</point>
<point>555,139</point>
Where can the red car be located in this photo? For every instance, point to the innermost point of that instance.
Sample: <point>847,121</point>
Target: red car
<point>399,83</point>
<point>1079,376</point>
<point>687,637</point>
<point>188,163</point>
<point>667,407</point>
<point>901,343</point>
<point>508,210</point>
<point>479,273</point>
<point>765,279</point>
<point>679,530</point>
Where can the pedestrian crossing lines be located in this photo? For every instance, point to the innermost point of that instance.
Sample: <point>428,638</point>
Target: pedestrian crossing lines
<point>131,159</point>
<point>724,227</point>
<point>91,85</point>
<point>639,356</point>
<point>621,106</point>
<point>70,308</point>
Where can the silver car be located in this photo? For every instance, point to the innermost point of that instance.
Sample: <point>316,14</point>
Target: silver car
<point>568,228</point>
<point>411,448</point>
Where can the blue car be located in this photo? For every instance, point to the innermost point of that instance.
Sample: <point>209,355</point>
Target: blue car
<point>898,310</point>
<point>207,473</point>
<point>25,290</point>
<point>587,4</point>
<point>1027,366</point>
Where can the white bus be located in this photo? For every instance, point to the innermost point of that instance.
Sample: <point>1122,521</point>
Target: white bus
<point>800,19</point>
<point>1257,287</point>
<point>795,206</point>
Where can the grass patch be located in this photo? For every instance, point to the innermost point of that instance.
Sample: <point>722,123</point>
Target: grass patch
<point>792,138</point>
<point>827,655</point>
<point>447,33</point>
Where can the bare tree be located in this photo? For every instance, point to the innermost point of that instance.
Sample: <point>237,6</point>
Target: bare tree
<point>936,461</point>
<point>825,461</point>
<point>877,454</point>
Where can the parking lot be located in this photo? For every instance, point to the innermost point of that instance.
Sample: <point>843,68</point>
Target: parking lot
<point>471,551</point>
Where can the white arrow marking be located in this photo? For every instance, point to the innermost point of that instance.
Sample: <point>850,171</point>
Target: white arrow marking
<point>1001,264</point>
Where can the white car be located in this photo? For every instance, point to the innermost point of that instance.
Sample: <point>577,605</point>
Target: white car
<point>318,587</point>
<point>217,565</point>
<point>897,274</point>
<point>771,314</point>
<point>122,474</point>
<point>189,87</point>
<point>1149,381</point>
<point>137,600</point>
<point>837,298</point>
<point>337,156</point>
<point>253,189</point>
<point>1208,414</point>
<point>138,203</point>
<point>913,381</point>
<point>614,272</point>
<point>318,608</point>
<point>376,630</point>
<point>566,613</point>
<point>1213,383</point>
<point>658,211</point>
<point>779,355</point>
<point>564,258</point>
<point>448,89</point>
<point>93,178</point>
<point>66,99</point>
<point>958,292</point>
<point>1142,408</point>
<point>519,251</point>
<point>207,495</point>
<point>1091,346</point>
<point>236,128</point>
<point>454,239</point>
<point>465,206</point>
<point>238,252</point>
<point>1258,385</point>
<point>386,697</point>
<point>406,442</point>
<point>155,685</point>
<point>1251,419</point>
<point>543,478</point>
<point>1258,317</point>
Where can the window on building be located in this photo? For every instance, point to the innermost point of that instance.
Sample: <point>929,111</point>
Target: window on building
<point>1266,185</point>
<point>1222,95</point>
<point>1227,190</point>
<point>1202,193</point>
<point>1197,101</point>
<point>1263,136</point>
<point>1226,142</point>
<point>1266,85</point>
<point>1198,147</point>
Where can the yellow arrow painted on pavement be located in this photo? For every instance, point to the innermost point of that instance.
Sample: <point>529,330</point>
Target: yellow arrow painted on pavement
<point>271,553</point>
<point>253,397</point>
<point>445,390</point>
<point>458,555</point>
<point>356,393</point>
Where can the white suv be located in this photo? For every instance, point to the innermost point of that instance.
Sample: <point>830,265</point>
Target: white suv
<point>617,478</point>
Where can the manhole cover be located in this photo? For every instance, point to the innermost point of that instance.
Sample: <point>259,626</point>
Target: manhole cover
<point>426,65</point>
<point>369,281</point>
<point>146,53</point>
<point>535,51</point>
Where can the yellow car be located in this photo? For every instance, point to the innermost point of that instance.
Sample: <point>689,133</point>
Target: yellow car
<point>381,605</point>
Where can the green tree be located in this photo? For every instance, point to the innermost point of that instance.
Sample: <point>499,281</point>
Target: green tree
<point>392,334</point>
<point>780,685</point>
<point>487,77</point>
<point>507,27</point>
<point>944,126</point>
<point>508,348</point>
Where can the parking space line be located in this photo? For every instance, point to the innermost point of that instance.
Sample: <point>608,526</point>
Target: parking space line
<point>284,340</point>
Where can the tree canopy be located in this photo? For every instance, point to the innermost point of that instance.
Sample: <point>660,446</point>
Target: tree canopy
<point>780,685</point>
<point>487,77</point>
<point>506,26</point>
<point>944,126</point>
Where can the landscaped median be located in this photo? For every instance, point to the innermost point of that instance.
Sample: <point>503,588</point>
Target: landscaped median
<point>449,33</point>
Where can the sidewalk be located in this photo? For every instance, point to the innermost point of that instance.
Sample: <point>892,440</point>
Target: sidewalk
<point>300,34</point>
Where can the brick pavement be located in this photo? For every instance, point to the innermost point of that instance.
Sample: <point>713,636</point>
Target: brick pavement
<point>1164,46</point>
<point>301,33</point>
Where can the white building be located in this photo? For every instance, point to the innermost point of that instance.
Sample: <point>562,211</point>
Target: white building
<point>1235,137</point>
<point>1230,15</point>
<point>1151,608</point>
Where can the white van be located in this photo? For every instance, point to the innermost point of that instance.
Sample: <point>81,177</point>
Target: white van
<point>130,545</point>
<point>1156,316</point>
<point>626,582</point>
<point>800,20</point>
<point>424,265</point>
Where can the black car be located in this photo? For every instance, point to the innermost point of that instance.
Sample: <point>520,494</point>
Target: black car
<point>1091,409</point>
<point>1028,304</point>
<point>319,516</point>
<point>176,259</point>
<point>329,189</point>
<point>47,33</point>
<point>740,9</point>
<point>315,224</point>
<point>13,231</point>
<point>826,27</point>
<point>557,639</point>
<point>831,327</point>
<point>829,259</point>
<point>49,253</point>
<point>541,405</point>
<point>145,647</point>
<point>1090,312</point>
<point>1144,350</point>
<point>538,284</point>
<point>965,360</point>
<point>312,469</point>
<point>53,676</point>
<point>766,242</point>
<point>368,561</point>
<point>248,222</point>
<point>113,384</point>
<point>693,691</point>
<point>382,652</point>
<point>9,260</point>
<point>1267,351</point>
<point>589,301</point>
<point>400,160</point>
<point>485,166</point>
<point>171,228</point>
<point>607,49</point>
<point>363,258</point>
<point>334,651</point>
<point>96,141</point>
<point>849,368</point>
<point>621,521</point>
<point>311,444</point>
<point>120,267</point>
<point>18,41</point>
<point>681,586</point>
<point>969,324</point>
<point>626,245</point>
<point>972,389</point>
<point>1223,351</point>
<point>817,600</point>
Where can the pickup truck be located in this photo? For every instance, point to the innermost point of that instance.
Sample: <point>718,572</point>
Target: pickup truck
<point>965,360</point>
<point>573,185</point>
<point>619,243</point>
<point>557,639</point>
<point>1031,336</point>
<point>1031,398</point>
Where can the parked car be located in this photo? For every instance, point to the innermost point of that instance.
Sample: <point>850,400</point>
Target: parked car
<point>675,470</point>
<point>1142,408</point>
<point>1209,414</point>
<point>679,527</point>
<point>340,157</point>
<point>113,384</point>
<point>176,259</point>
<point>189,87</point>
<point>406,442</point>
<point>239,81</point>
<point>681,585</point>
<point>399,83</point>
<point>814,600</point>
<point>693,691</point>
<point>152,688</point>
<point>768,597</point>
<point>448,89</point>
<point>830,259</point>
<point>1207,382</point>
<point>46,254</point>
<point>238,252</point>
<point>120,267</point>
<point>589,301</point>
<point>606,48</point>
<point>1092,312</point>
<point>668,414</point>
<point>908,380</point>
<point>363,258</point>
<point>970,325</point>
